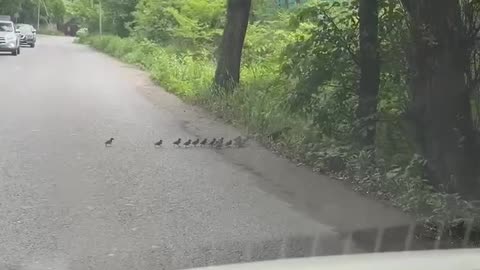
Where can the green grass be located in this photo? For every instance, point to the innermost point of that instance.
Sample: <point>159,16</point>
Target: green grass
<point>179,74</point>
<point>259,106</point>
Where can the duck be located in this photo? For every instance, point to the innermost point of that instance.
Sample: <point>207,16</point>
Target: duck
<point>177,142</point>
<point>109,142</point>
<point>195,143</point>
<point>159,143</point>
<point>212,143</point>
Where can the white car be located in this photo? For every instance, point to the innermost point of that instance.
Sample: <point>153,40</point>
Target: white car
<point>459,259</point>
<point>28,34</point>
<point>9,38</point>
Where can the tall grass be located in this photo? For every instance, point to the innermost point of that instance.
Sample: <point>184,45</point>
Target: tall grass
<point>180,74</point>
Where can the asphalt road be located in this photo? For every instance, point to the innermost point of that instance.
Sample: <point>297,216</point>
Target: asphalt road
<point>67,202</point>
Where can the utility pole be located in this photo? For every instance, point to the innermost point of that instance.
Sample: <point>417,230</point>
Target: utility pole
<point>100,19</point>
<point>38,15</point>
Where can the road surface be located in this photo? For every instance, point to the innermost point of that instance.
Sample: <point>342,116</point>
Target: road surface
<point>67,202</point>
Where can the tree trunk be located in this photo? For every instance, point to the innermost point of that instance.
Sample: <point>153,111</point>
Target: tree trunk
<point>287,4</point>
<point>227,74</point>
<point>369,72</point>
<point>440,109</point>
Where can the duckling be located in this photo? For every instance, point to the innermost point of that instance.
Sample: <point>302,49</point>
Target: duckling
<point>240,142</point>
<point>212,143</point>
<point>237,139</point>
<point>109,142</point>
<point>177,142</point>
<point>159,143</point>
<point>219,143</point>
<point>204,142</point>
<point>195,143</point>
<point>187,143</point>
<point>229,143</point>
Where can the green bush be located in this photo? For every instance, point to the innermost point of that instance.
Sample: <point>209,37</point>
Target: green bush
<point>186,23</point>
<point>82,33</point>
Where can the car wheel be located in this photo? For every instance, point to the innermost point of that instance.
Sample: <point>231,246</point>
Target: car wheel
<point>32,45</point>
<point>15,52</point>
<point>18,50</point>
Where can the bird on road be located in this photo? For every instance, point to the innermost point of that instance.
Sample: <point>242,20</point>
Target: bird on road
<point>219,143</point>
<point>177,142</point>
<point>241,142</point>
<point>194,143</point>
<point>187,143</point>
<point>238,140</point>
<point>212,143</point>
<point>228,144</point>
<point>159,143</point>
<point>109,142</point>
<point>204,142</point>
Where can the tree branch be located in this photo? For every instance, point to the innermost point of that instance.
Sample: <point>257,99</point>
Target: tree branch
<point>345,42</point>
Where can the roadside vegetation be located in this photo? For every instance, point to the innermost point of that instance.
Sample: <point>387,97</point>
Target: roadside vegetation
<point>380,93</point>
<point>52,12</point>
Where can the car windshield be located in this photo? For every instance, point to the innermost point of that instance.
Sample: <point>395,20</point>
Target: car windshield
<point>6,27</point>
<point>175,134</point>
<point>24,28</point>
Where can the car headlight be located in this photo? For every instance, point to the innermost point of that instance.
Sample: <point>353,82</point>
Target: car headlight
<point>11,44</point>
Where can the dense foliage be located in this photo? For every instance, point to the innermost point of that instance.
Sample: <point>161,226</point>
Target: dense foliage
<point>299,81</point>
<point>51,11</point>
